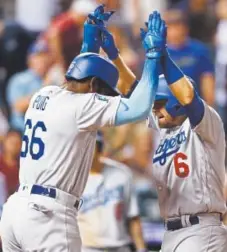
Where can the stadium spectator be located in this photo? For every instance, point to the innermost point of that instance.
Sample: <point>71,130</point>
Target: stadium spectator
<point>4,126</point>
<point>221,61</point>
<point>23,85</point>
<point>9,160</point>
<point>202,21</point>
<point>190,55</point>
<point>35,17</point>
<point>14,43</point>
<point>64,37</point>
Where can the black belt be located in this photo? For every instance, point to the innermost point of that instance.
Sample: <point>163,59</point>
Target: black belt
<point>177,223</point>
<point>48,192</point>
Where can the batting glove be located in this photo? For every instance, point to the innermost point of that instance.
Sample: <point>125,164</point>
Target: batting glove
<point>92,33</point>
<point>108,44</point>
<point>154,39</point>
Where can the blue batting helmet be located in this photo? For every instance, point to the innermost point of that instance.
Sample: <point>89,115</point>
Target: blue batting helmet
<point>173,107</point>
<point>88,65</point>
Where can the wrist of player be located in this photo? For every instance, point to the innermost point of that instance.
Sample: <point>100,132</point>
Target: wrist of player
<point>92,40</point>
<point>95,48</point>
<point>171,71</point>
<point>112,52</point>
<point>154,47</point>
<point>154,53</point>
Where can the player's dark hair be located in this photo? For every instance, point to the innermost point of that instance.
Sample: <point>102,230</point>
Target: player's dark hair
<point>102,87</point>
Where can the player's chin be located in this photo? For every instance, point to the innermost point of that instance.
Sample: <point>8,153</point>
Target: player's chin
<point>165,123</point>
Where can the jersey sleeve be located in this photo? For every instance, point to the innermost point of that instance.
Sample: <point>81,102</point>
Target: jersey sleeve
<point>98,111</point>
<point>210,128</point>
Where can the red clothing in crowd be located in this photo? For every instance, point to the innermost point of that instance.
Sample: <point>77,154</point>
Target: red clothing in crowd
<point>11,174</point>
<point>69,31</point>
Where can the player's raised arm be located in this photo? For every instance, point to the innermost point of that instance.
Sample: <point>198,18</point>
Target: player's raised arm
<point>96,35</point>
<point>138,106</point>
<point>204,119</point>
<point>126,76</point>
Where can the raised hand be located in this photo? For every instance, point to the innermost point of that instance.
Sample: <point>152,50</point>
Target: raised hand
<point>154,39</point>
<point>108,44</point>
<point>99,15</point>
<point>107,41</point>
<point>92,32</point>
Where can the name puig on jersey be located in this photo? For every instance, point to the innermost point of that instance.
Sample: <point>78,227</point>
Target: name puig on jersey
<point>169,147</point>
<point>40,102</point>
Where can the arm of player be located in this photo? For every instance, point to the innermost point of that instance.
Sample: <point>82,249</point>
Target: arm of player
<point>204,120</point>
<point>126,76</point>
<point>139,104</point>
<point>137,107</point>
<point>92,33</point>
<point>135,231</point>
<point>133,219</point>
<point>96,35</point>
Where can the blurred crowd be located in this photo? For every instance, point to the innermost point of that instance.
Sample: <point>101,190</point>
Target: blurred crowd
<point>39,39</point>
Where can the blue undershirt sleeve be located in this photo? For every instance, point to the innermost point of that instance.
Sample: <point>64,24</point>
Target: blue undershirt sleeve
<point>137,107</point>
<point>195,110</point>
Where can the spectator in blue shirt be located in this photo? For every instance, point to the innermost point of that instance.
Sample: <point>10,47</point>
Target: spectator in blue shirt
<point>192,56</point>
<point>23,85</point>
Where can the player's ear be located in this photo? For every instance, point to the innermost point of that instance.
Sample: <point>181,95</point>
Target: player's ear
<point>93,85</point>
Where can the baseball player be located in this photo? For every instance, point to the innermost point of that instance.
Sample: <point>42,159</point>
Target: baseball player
<point>188,165</point>
<point>108,218</point>
<point>58,144</point>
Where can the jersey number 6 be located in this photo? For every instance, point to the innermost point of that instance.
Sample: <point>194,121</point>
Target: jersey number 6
<point>181,168</point>
<point>35,146</point>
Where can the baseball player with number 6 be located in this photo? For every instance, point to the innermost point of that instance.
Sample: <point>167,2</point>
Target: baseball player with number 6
<point>61,124</point>
<point>188,165</point>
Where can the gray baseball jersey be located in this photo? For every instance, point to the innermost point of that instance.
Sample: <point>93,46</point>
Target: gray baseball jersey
<point>60,136</point>
<point>189,169</point>
<point>108,201</point>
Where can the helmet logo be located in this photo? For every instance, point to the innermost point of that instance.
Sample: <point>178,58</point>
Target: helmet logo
<point>72,65</point>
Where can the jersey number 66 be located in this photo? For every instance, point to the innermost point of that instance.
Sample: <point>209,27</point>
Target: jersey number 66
<point>34,146</point>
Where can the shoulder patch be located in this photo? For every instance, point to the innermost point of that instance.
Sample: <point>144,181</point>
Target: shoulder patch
<point>101,97</point>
